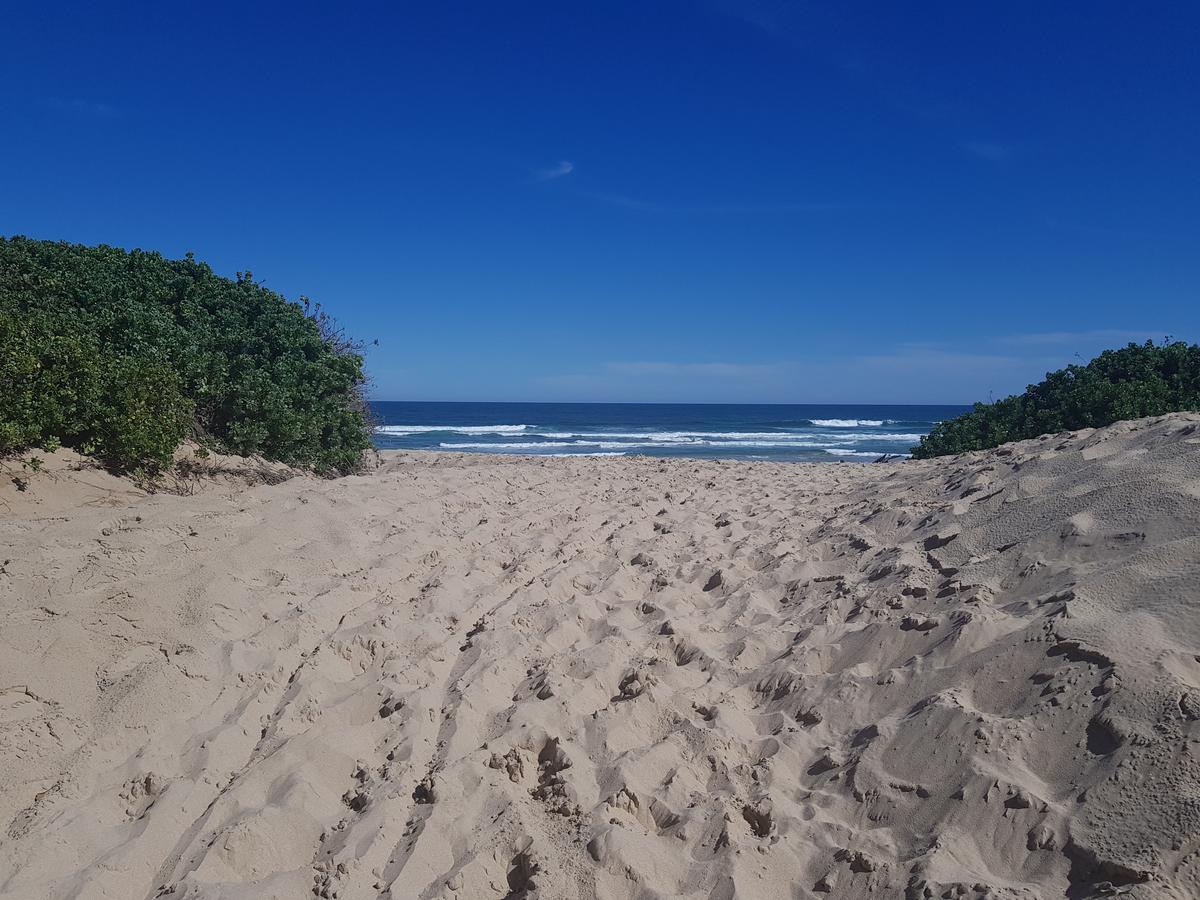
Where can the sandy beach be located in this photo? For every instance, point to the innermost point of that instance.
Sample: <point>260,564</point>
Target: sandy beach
<point>499,677</point>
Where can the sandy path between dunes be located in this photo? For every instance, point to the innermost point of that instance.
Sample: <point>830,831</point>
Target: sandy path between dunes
<point>480,677</point>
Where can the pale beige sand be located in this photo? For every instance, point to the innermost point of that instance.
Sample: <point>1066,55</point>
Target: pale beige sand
<point>480,677</point>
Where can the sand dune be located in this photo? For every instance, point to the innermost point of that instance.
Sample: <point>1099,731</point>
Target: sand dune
<point>479,677</point>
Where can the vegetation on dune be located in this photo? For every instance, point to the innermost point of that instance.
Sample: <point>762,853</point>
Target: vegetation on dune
<point>1138,380</point>
<point>123,355</point>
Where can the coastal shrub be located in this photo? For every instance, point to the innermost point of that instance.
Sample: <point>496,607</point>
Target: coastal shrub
<point>1138,380</point>
<point>123,355</point>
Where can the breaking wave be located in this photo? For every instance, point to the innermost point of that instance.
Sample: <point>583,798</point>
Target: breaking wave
<point>452,429</point>
<point>704,431</point>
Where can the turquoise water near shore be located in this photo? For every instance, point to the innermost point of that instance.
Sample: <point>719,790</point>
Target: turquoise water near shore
<point>781,432</point>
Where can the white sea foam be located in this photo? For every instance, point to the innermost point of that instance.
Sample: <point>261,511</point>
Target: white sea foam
<point>520,445</point>
<point>620,448</point>
<point>844,437</point>
<point>886,437</point>
<point>584,454</point>
<point>667,437</point>
<point>672,437</point>
<point>662,436</point>
<point>695,437</point>
<point>542,445</point>
<point>848,438</point>
<point>657,436</point>
<point>631,445</point>
<point>455,429</point>
<point>803,444</point>
<point>873,454</point>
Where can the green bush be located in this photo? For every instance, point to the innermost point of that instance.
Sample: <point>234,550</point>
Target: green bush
<point>1138,380</point>
<point>125,354</point>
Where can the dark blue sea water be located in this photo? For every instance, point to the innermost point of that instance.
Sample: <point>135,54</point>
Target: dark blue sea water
<point>804,433</point>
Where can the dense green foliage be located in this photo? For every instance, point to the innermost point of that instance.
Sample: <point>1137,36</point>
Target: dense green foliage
<point>123,355</point>
<point>1139,380</point>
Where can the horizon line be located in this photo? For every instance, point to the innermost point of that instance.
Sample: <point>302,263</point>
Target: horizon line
<point>661,403</point>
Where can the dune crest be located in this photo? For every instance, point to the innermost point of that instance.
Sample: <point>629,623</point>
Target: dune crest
<point>493,677</point>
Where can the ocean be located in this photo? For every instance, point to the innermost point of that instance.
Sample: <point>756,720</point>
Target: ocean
<point>784,433</point>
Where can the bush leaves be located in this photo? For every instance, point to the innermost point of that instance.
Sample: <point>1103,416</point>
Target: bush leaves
<point>125,354</point>
<point>1138,380</point>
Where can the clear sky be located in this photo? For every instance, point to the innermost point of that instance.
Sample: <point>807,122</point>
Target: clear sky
<point>718,200</point>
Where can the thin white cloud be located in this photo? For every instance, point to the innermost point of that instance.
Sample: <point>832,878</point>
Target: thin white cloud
<point>79,107</point>
<point>657,381</point>
<point>767,209</point>
<point>625,201</point>
<point>691,369</point>
<point>622,200</point>
<point>1111,335</point>
<point>988,151</point>
<point>948,363</point>
<point>561,170</point>
<point>905,373</point>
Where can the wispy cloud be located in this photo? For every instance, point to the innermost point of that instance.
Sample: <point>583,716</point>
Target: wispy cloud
<point>952,363</point>
<point>1120,232</point>
<point>626,201</point>
<point>768,209</point>
<point>906,372</point>
<point>766,16</point>
<point>665,381</point>
<point>1085,338</point>
<point>692,369</point>
<point>79,107</point>
<point>820,31</point>
<point>561,170</point>
<point>782,20</point>
<point>622,200</point>
<point>989,151</point>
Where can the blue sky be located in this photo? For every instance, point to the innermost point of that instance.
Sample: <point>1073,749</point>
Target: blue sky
<point>719,200</point>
